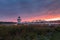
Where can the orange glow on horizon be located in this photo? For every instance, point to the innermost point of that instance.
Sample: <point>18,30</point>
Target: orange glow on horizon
<point>45,17</point>
<point>54,19</point>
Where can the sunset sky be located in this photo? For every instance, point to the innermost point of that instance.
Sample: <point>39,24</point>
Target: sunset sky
<point>29,10</point>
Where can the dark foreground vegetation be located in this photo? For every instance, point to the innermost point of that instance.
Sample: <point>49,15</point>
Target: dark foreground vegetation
<point>29,32</point>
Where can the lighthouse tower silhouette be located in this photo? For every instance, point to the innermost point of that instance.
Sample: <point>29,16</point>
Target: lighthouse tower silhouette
<point>19,20</point>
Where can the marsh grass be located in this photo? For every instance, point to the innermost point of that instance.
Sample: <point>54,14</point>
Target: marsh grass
<point>28,32</point>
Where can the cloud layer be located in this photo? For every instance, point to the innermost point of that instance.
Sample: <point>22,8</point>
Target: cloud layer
<point>10,9</point>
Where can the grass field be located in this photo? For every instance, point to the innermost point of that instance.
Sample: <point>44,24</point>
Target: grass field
<point>56,36</point>
<point>29,32</point>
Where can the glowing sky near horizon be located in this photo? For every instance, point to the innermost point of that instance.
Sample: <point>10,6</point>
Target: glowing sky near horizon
<point>29,10</point>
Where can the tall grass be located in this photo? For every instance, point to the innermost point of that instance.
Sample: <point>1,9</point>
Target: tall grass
<point>27,32</point>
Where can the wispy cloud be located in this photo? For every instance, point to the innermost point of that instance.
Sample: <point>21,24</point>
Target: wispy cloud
<point>29,8</point>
